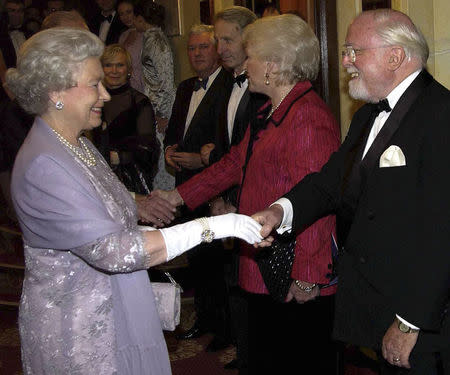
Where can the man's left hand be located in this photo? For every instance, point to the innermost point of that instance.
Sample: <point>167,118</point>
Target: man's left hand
<point>397,346</point>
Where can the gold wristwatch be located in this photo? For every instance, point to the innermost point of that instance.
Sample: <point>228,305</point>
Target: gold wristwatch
<point>405,328</point>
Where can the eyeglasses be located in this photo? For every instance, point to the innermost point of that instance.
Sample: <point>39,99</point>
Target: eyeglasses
<point>349,51</point>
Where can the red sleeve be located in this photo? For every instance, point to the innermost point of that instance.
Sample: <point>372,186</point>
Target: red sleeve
<point>217,177</point>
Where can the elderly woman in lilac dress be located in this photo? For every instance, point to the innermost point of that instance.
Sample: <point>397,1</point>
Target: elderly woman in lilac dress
<point>87,304</point>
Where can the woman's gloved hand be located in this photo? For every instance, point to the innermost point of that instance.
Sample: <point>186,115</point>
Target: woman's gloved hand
<point>183,237</point>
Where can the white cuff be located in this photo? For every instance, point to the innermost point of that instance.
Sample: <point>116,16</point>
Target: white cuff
<point>407,323</point>
<point>288,214</point>
<point>133,194</point>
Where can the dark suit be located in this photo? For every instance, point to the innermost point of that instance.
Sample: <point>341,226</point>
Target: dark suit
<point>203,126</point>
<point>393,222</point>
<point>206,260</point>
<point>115,29</point>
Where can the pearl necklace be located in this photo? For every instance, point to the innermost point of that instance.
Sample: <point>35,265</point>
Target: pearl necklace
<point>275,108</point>
<point>86,156</point>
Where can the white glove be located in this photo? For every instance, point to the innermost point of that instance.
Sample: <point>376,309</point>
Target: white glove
<point>183,237</point>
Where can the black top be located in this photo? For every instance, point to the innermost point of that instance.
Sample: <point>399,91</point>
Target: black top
<point>129,129</point>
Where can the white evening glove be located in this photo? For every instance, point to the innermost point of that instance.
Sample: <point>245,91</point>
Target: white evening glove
<point>183,237</point>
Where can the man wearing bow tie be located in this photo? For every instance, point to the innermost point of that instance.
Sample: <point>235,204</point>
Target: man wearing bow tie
<point>389,186</point>
<point>106,23</point>
<point>199,102</point>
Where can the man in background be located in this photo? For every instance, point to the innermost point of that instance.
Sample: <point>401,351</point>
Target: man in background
<point>199,102</point>
<point>106,23</point>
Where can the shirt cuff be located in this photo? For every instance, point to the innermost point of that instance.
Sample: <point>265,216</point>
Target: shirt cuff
<point>407,323</point>
<point>133,194</point>
<point>288,214</point>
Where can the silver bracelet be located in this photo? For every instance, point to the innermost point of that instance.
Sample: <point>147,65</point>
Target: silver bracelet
<point>207,235</point>
<point>307,289</point>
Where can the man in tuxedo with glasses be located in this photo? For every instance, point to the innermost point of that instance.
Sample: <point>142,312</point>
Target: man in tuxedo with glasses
<point>389,186</point>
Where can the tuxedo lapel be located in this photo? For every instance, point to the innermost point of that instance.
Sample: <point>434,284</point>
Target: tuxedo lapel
<point>206,103</point>
<point>394,121</point>
<point>186,100</point>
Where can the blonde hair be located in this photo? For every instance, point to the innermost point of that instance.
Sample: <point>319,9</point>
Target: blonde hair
<point>113,50</point>
<point>288,41</point>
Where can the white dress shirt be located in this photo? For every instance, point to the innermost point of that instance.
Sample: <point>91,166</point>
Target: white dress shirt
<point>392,98</point>
<point>233,103</point>
<point>104,28</point>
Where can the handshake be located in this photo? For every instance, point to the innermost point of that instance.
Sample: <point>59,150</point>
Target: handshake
<point>159,208</point>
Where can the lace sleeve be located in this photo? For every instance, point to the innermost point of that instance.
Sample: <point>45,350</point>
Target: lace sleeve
<point>116,252</point>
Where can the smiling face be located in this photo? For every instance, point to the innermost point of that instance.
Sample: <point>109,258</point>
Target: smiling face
<point>126,13</point>
<point>229,45</point>
<point>369,76</point>
<point>116,71</point>
<point>202,54</point>
<point>83,103</point>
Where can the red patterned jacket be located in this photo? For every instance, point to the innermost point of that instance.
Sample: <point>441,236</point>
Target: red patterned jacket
<point>298,140</point>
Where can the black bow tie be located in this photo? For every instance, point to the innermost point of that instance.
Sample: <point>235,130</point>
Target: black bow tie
<point>240,79</point>
<point>107,18</point>
<point>200,83</point>
<point>382,105</point>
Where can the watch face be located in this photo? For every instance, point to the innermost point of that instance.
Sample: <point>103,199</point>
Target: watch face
<point>403,327</point>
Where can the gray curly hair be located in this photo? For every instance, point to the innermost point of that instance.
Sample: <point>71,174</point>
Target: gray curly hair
<point>49,62</point>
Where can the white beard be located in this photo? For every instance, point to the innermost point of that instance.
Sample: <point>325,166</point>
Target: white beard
<point>358,90</point>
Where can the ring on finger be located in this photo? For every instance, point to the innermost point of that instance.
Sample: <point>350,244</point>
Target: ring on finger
<point>396,359</point>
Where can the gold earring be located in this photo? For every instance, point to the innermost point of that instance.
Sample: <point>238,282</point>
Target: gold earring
<point>267,82</point>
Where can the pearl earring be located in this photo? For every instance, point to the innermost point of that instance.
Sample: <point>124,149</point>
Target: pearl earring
<point>267,82</point>
<point>59,105</point>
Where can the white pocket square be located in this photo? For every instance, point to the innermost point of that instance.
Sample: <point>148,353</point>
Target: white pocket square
<point>392,157</point>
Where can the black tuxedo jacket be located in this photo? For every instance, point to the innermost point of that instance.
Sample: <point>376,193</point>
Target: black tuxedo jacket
<point>394,222</point>
<point>203,127</point>
<point>116,28</point>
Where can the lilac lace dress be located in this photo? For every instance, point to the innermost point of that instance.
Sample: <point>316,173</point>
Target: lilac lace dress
<point>87,304</point>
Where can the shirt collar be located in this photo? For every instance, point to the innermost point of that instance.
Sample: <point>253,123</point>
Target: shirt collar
<point>395,95</point>
<point>212,77</point>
